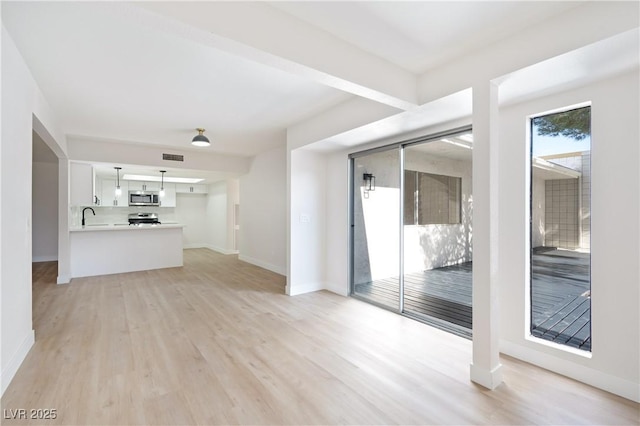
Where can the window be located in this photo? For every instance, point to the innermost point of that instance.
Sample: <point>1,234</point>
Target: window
<point>561,227</point>
<point>431,199</point>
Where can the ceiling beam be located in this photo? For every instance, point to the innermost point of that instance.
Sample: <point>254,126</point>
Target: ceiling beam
<point>264,34</point>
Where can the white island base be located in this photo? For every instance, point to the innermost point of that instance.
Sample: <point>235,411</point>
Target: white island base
<point>115,249</point>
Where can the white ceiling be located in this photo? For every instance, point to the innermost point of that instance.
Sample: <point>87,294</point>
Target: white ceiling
<point>420,35</point>
<point>152,72</point>
<point>107,76</point>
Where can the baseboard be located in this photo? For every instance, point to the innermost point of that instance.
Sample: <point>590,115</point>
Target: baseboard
<point>265,265</point>
<point>63,279</point>
<point>304,288</point>
<point>616,385</point>
<point>16,360</point>
<point>51,258</point>
<point>341,289</point>
<point>194,246</point>
<point>490,379</point>
<point>220,250</point>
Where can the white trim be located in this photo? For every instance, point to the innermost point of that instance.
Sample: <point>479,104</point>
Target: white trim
<point>340,289</point>
<point>266,265</point>
<point>63,279</point>
<point>50,258</point>
<point>220,249</point>
<point>616,385</point>
<point>490,379</point>
<point>194,246</point>
<point>304,288</point>
<point>16,360</point>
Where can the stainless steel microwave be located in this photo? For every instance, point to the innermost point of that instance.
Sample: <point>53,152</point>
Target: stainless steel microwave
<point>144,198</point>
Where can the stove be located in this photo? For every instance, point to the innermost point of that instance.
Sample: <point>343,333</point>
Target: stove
<point>143,218</point>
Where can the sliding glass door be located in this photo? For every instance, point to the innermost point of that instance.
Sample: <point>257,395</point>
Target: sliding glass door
<point>411,229</point>
<point>437,232</point>
<point>375,266</point>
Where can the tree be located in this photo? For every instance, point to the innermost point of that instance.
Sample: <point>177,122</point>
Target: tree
<point>575,124</point>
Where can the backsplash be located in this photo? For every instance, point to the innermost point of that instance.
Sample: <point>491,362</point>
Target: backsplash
<point>112,215</point>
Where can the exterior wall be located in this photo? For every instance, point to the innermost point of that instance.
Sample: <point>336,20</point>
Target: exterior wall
<point>567,216</point>
<point>538,212</point>
<point>434,246</point>
<point>376,217</point>
<point>561,224</point>
<point>585,202</point>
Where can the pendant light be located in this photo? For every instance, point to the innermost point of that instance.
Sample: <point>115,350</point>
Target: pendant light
<point>118,190</point>
<point>162,182</point>
<point>200,139</point>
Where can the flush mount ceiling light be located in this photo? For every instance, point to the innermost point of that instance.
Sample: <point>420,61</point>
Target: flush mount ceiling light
<point>200,139</point>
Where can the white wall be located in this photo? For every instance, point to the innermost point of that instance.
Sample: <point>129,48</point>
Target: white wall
<point>336,236</point>
<point>264,211</point>
<point>45,211</point>
<point>233,224</point>
<point>308,216</point>
<point>22,106</point>
<point>613,364</point>
<point>191,211</point>
<point>121,153</point>
<point>221,201</point>
<point>217,216</point>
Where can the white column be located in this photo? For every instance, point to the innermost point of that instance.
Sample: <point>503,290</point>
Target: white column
<point>486,367</point>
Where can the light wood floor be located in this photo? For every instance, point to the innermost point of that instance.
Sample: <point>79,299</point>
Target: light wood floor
<point>217,342</point>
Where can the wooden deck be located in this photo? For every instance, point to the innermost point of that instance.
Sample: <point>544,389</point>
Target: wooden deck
<point>561,310</point>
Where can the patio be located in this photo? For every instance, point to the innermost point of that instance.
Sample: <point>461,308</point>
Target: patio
<point>560,299</point>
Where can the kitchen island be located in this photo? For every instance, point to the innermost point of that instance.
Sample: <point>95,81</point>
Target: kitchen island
<point>101,249</point>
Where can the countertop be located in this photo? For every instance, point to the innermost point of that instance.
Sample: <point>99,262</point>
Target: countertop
<point>93,227</point>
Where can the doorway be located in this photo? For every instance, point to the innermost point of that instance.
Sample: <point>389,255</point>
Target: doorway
<point>411,212</point>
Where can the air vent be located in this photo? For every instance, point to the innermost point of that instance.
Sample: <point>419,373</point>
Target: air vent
<point>173,157</point>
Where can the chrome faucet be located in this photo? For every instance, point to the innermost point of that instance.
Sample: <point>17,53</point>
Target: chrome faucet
<point>83,210</point>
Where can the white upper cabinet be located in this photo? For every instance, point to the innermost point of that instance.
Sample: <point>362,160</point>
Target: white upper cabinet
<point>82,184</point>
<point>169,199</point>
<point>136,185</point>
<point>188,188</point>
<point>108,193</point>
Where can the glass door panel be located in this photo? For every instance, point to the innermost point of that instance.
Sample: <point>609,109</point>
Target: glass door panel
<point>437,232</point>
<point>375,228</point>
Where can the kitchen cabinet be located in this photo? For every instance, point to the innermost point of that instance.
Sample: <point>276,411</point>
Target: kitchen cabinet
<point>108,194</point>
<point>129,248</point>
<point>82,184</point>
<point>188,188</point>
<point>137,185</point>
<point>169,199</point>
